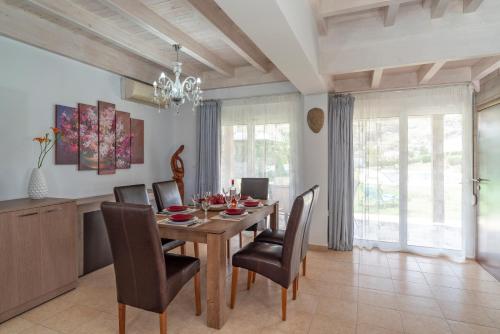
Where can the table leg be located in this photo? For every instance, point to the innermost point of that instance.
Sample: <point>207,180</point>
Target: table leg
<point>216,281</point>
<point>275,217</point>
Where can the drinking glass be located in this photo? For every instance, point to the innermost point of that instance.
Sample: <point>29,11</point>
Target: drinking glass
<point>237,196</point>
<point>195,198</point>
<point>205,205</point>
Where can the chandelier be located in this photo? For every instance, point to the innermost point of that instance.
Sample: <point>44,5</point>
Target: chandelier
<point>174,93</point>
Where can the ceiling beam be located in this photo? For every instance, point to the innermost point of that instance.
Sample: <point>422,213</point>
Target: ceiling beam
<point>142,15</point>
<point>330,8</point>
<point>68,11</point>
<point>471,5</point>
<point>428,71</point>
<point>232,34</point>
<point>402,80</point>
<point>28,28</point>
<point>438,8</point>
<point>376,78</point>
<point>285,31</point>
<point>391,12</point>
<point>320,20</point>
<point>485,67</point>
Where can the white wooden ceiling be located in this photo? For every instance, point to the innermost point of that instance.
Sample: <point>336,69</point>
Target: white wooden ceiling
<point>319,45</point>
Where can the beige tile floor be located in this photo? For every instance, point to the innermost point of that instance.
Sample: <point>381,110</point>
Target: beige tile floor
<point>363,292</point>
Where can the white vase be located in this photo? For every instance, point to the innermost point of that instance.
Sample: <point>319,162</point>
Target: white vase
<point>37,188</point>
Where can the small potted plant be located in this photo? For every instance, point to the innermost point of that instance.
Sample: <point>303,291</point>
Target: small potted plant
<point>37,187</point>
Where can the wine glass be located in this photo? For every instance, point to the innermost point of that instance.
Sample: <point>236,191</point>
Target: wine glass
<point>205,205</point>
<point>237,196</point>
<point>196,200</point>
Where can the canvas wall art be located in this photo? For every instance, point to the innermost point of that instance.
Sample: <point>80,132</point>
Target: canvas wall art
<point>137,133</point>
<point>67,144</point>
<point>122,145</point>
<point>107,128</point>
<point>88,137</point>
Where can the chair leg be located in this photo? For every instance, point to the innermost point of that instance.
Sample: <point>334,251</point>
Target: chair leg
<point>283,303</point>
<point>241,240</point>
<point>295,286</point>
<point>196,249</point>
<point>253,276</point>
<point>254,235</point>
<point>163,322</point>
<point>249,279</point>
<point>197,294</point>
<point>228,248</point>
<point>304,266</point>
<point>183,249</point>
<point>121,318</point>
<point>234,286</point>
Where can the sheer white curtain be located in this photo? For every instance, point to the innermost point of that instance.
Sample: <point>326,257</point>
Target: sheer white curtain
<point>413,170</point>
<point>260,138</point>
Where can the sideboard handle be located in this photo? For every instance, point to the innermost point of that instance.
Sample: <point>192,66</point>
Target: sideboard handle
<point>28,214</point>
<point>53,210</point>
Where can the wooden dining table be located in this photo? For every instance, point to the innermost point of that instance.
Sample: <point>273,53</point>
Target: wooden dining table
<point>215,234</point>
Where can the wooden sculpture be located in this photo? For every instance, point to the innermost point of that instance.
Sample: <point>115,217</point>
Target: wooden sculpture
<point>177,166</point>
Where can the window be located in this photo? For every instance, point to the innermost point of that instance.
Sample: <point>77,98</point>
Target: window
<point>259,138</point>
<point>412,170</point>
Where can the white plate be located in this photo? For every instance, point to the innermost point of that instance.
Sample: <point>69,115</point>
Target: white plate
<point>185,223</point>
<point>225,215</point>
<point>188,210</point>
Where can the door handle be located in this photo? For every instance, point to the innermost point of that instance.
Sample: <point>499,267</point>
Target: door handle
<point>479,180</point>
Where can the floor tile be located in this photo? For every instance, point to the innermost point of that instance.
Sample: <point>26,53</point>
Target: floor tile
<point>418,324</point>
<point>472,314</point>
<point>15,325</point>
<point>464,328</point>
<point>375,283</point>
<point>380,317</point>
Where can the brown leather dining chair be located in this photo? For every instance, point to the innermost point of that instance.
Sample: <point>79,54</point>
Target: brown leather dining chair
<point>279,263</point>
<point>146,277</point>
<point>137,194</point>
<point>257,188</point>
<point>166,194</point>
<point>277,236</point>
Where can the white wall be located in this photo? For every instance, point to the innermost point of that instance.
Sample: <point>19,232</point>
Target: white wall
<point>32,81</point>
<point>315,167</point>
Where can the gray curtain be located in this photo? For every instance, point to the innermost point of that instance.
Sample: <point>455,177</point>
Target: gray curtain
<point>340,172</point>
<point>208,124</point>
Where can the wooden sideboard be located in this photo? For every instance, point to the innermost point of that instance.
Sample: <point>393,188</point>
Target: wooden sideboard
<point>38,252</point>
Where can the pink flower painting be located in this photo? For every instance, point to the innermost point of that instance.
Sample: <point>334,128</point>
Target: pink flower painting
<point>137,141</point>
<point>122,140</point>
<point>88,137</point>
<point>67,145</point>
<point>107,131</point>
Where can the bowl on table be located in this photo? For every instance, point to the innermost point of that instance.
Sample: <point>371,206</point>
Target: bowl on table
<point>251,203</point>
<point>181,217</point>
<point>176,208</point>
<point>234,211</point>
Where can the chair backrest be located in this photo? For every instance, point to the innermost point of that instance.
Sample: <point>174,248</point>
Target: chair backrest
<point>134,194</point>
<point>307,227</point>
<point>166,194</point>
<point>141,278</point>
<point>256,187</point>
<point>292,243</point>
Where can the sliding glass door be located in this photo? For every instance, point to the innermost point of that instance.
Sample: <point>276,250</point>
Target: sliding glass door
<point>412,158</point>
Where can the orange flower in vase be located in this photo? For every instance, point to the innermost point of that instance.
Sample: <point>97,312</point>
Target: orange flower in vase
<point>37,187</point>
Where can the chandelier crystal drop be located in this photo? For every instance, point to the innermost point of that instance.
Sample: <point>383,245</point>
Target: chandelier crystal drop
<point>174,93</point>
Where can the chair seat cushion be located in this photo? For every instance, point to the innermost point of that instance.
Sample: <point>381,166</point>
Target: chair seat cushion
<point>264,259</point>
<point>270,236</point>
<point>180,269</point>
<point>168,244</point>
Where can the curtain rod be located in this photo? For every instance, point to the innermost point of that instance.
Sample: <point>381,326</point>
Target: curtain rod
<point>399,89</point>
